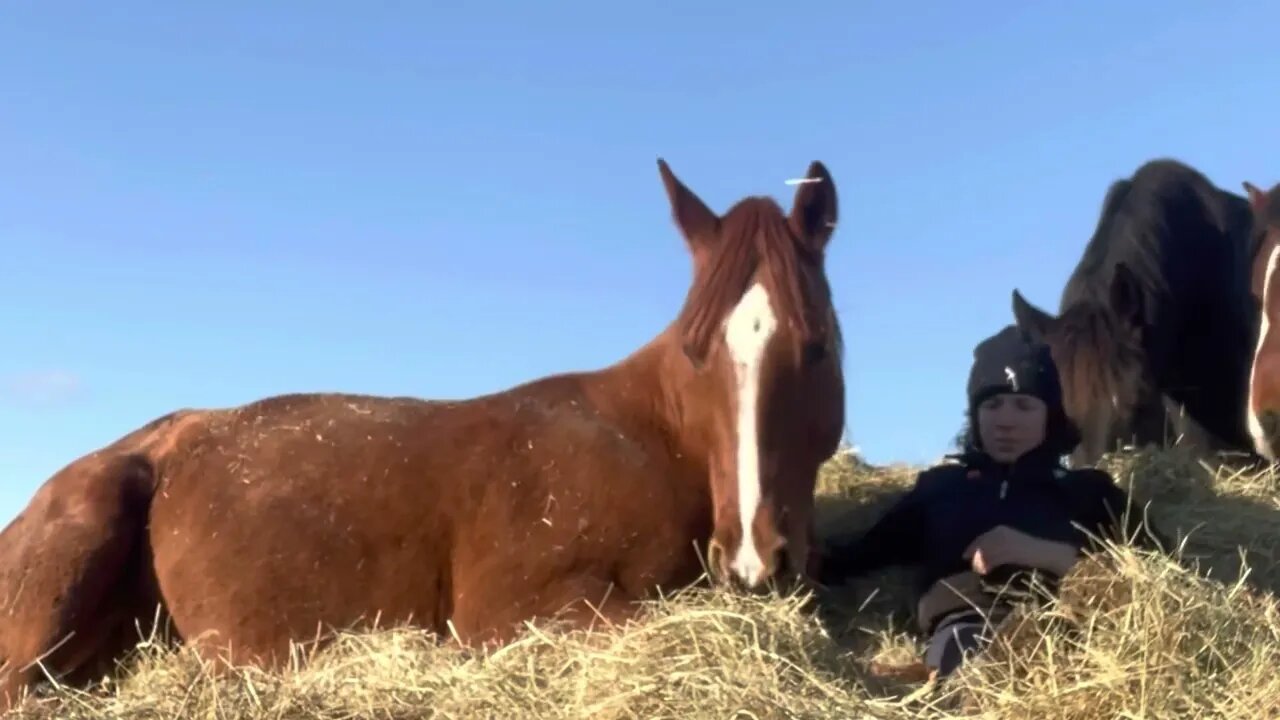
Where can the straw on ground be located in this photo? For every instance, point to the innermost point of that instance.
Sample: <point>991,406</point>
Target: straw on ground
<point>1134,635</point>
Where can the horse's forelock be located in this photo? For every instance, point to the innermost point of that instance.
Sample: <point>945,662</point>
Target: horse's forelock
<point>1099,359</point>
<point>754,235</point>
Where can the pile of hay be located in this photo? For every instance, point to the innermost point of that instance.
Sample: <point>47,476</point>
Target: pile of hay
<point>1134,635</point>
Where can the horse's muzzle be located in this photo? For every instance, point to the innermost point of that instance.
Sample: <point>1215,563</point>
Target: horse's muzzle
<point>781,580</point>
<point>1269,440</point>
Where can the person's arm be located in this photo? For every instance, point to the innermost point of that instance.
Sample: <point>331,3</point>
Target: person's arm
<point>893,540</point>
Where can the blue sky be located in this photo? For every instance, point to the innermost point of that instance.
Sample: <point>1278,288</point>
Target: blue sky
<point>204,204</point>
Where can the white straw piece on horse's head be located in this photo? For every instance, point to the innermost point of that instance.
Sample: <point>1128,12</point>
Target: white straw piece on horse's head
<point>802,181</point>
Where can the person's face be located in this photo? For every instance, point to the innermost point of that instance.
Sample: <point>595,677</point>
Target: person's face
<point>1010,424</point>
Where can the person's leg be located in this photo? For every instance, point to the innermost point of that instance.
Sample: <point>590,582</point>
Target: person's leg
<point>962,636</point>
<point>953,642</point>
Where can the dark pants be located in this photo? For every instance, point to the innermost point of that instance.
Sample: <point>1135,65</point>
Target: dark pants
<point>959,636</point>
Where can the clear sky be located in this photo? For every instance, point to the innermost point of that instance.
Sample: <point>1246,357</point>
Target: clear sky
<point>205,204</point>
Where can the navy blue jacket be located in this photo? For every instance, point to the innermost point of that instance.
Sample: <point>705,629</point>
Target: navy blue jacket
<point>952,504</point>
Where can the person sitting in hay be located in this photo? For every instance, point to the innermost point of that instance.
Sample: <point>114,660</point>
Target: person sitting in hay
<point>1005,510</point>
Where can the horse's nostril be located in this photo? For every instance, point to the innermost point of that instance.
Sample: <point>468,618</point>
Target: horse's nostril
<point>760,588</point>
<point>783,564</point>
<point>814,352</point>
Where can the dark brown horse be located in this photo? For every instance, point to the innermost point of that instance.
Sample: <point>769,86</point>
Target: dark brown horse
<point>1156,323</point>
<point>1264,375</point>
<point>573,495</point>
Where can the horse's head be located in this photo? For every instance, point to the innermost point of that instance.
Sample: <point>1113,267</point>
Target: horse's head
<point>1097,344</point>
<point>759,362</point>
<point>1264,375</point>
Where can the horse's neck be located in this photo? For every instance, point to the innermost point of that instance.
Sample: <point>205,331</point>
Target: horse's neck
<point>646,394</point>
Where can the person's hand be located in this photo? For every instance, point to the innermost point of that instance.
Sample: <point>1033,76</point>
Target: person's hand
<point>1003,545</point>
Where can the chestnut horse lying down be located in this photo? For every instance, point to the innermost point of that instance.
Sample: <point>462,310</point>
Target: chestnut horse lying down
<point>577,493</point>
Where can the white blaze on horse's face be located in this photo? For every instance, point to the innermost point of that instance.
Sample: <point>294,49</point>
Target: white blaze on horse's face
<point>747,332</point>
<point>1261,442</point>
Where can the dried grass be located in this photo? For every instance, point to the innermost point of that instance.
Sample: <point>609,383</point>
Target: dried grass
<point>1133,635</point>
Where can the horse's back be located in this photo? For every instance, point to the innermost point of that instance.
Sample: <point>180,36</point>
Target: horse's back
<point>340,506</point>
<point>1186,240</point>
<point>444,458</point>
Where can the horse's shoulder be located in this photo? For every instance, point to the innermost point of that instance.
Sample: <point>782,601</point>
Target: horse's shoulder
<point>571,419</point>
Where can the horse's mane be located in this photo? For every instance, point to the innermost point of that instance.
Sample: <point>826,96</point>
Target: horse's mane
<point>754,234</point>
<point>1098,249</point>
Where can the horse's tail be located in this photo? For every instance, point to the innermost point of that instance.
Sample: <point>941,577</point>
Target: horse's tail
<point>138,482</point>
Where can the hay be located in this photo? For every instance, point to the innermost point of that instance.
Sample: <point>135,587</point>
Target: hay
<point>1134,635</point>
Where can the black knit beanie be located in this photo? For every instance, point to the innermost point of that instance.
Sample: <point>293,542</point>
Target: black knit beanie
<point>1009,362</point>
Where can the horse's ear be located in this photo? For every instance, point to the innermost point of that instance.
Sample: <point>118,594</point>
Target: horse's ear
<point>697,223</point>
<point>1031,320</point>
<point>1127,298</point>
<point>814,210</point>
<point>1257,198</point>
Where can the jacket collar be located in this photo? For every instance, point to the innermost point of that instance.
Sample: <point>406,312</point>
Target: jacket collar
<point>1039,462</point>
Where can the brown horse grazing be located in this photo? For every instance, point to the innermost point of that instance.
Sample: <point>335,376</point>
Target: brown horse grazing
<point>1264,375</point>
<point>1155,325</point>
<point>576,493</point>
